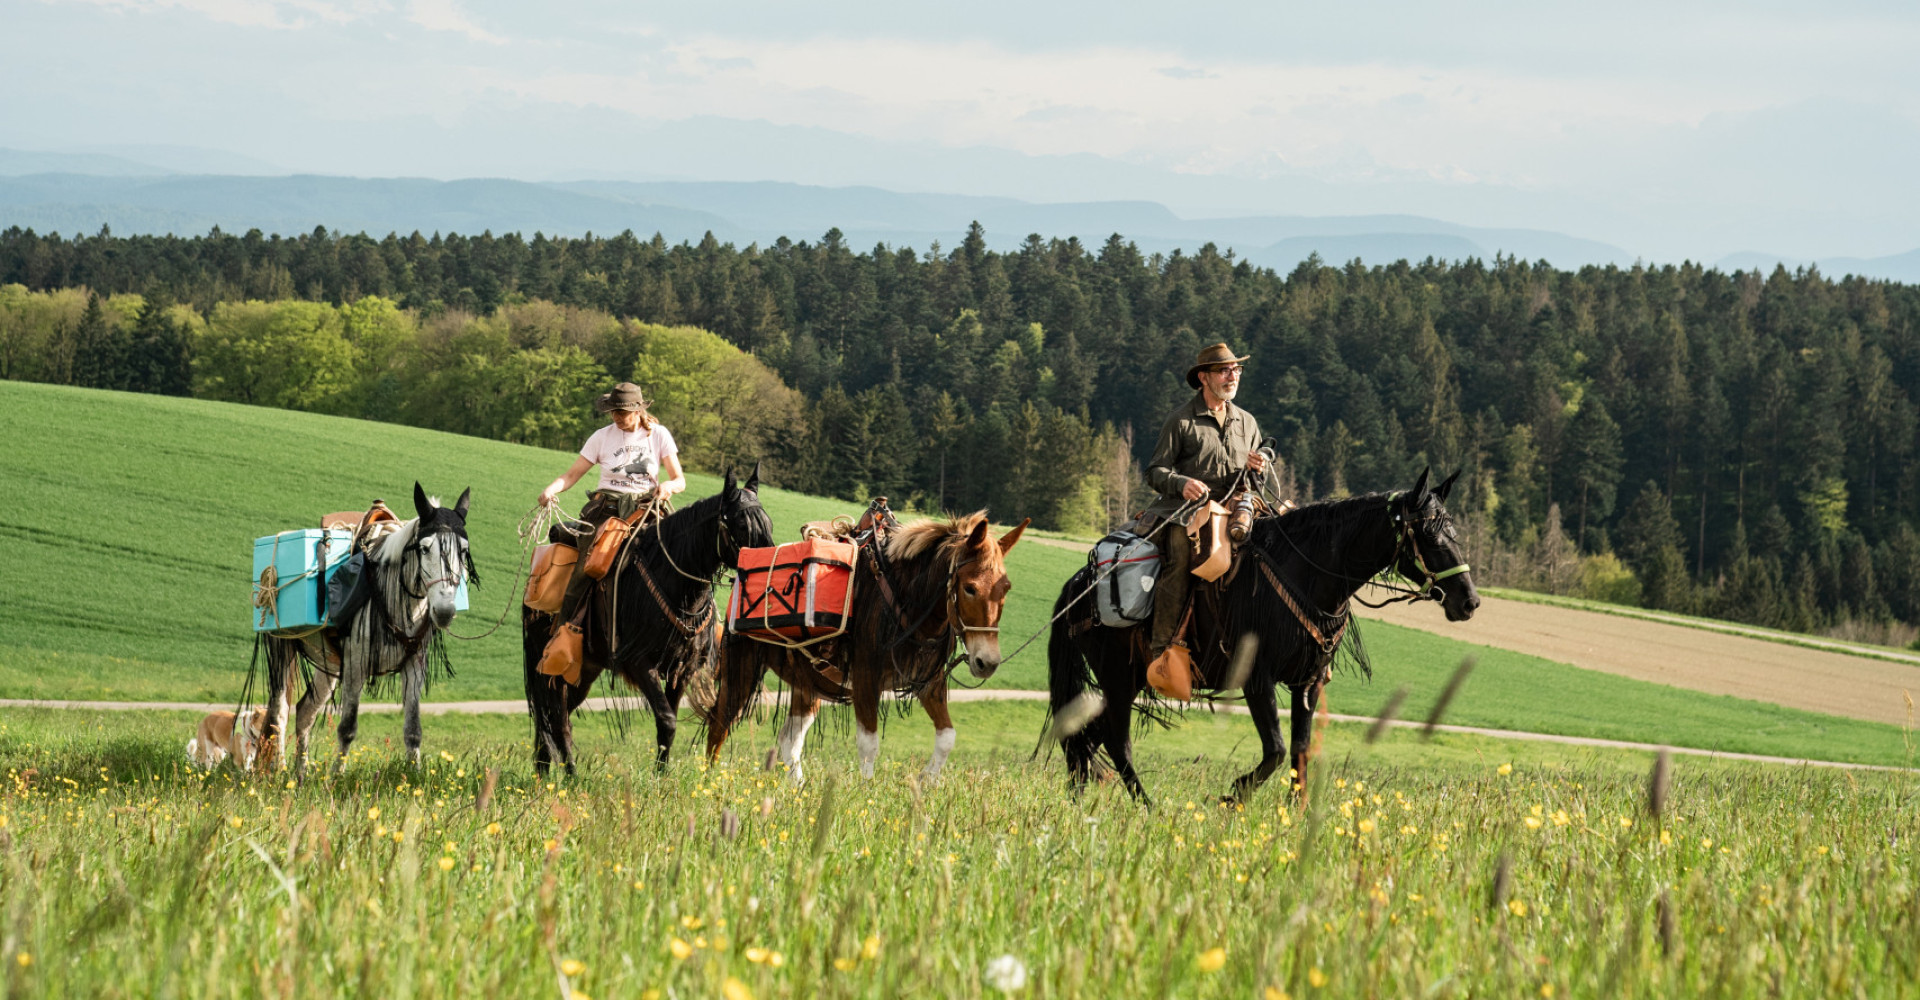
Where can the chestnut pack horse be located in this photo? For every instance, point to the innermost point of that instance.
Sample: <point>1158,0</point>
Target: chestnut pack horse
<point>918,590</point>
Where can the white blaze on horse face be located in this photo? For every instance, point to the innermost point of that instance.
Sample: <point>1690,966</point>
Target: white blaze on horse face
<point>869,742</point>
<point>942,746</point>
<point>793,737</point>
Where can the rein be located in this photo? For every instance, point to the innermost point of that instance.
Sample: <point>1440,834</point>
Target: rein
<point>1402,540</point>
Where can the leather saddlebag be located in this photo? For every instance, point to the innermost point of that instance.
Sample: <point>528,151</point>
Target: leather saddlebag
<point>563,654</point>
<point>606,546</point>
<point>547,581</point>
<point>1171,673</point>
<point>1212,552</point>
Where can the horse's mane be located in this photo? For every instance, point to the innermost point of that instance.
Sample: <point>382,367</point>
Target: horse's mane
<point>676,534</point>
<point>1314,526</point>
<point>933,536</point>
<point>390,549</point>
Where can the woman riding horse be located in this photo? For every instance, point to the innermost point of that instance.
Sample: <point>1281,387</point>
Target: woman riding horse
<point>632,452</point>
<point>656,613</point>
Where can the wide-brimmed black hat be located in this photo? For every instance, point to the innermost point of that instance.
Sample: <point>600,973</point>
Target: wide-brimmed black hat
<point>1218,354</point>
<point>625,396</point>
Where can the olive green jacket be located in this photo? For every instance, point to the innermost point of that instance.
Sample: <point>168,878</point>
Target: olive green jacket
<point>1193,445</point>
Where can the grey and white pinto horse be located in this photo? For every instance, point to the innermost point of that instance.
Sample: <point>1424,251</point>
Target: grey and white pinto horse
<point>416,568</point>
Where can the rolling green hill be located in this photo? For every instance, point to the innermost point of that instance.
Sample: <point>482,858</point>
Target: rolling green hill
<point>126,525</point>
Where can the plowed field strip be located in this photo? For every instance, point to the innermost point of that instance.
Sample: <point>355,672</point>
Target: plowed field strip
<point>1695,659</point>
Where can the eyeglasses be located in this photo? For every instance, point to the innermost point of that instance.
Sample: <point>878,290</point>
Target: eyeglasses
<point>1227,370</point>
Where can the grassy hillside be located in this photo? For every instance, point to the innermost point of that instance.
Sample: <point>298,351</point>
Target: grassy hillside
<point>126,524</point>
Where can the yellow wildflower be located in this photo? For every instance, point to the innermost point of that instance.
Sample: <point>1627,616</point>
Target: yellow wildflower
<point>1211,960</point>
<point>870,948</point>
<point>373,813</point>
<point>1316,978</point>
<point>1275,993</point>
<point>844,964</point>
<point>573,966</point>
<point>734,989</point>
<point>446,864</point>
<point>1517,907</point>
<point>679,949</point>
<point>1504,770</point>
<point>1533,822</point>
<point>1366,826</point>
<point>757,956</point>
<point>493,829</point>
<point>24,959</point>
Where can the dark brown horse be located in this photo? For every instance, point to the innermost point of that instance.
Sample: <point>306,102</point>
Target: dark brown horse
<point>1288,601</point>
<point>661,603</point>
<point>926,587</point>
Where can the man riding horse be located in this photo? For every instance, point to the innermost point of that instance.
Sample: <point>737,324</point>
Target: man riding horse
<point>1203,448</point>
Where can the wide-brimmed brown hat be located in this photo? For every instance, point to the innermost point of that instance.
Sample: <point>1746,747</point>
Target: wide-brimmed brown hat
<point>625,396</point>
<point>1218,354</point>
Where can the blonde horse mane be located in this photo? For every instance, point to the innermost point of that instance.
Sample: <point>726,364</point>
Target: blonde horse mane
<point>930,535</point>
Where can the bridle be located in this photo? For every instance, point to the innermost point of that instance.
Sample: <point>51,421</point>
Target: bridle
<point>1404,541</point>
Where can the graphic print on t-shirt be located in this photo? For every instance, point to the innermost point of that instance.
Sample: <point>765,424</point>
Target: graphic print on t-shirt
<point>629,462</point>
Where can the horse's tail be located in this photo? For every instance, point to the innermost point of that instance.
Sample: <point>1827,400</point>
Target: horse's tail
<point>740,668</point>
<point>1067,674</point>
<point>1070,705</point>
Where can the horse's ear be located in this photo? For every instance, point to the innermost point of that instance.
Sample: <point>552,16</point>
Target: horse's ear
<point>753,481</point>
<point>978,536</point>
<point>421,505</point>
<point>1007,540</point>
<point>727,485</point>
<point>466,500</point>
<point>1418,495</point>
<point>1446,486</point>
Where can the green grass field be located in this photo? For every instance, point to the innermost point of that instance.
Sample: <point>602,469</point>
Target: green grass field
<point>127,523</point>
<point>1467,867</point>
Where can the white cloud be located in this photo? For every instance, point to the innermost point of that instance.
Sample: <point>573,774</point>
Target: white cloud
<point>281,14</point>
<point>444,15</point>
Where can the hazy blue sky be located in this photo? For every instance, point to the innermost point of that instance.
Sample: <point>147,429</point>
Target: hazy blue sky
<point>1672,129</point>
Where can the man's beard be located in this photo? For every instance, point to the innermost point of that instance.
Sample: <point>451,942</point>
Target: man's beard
<point>1225,395</point>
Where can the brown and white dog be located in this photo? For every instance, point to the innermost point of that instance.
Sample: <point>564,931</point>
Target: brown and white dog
<point>223,734</point>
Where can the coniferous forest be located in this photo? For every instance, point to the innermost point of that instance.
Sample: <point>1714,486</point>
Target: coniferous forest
<point>1738,445</point>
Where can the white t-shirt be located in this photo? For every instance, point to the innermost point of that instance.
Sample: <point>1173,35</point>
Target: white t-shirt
<point>615,450</point>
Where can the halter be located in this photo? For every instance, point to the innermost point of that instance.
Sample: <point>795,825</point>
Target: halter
<point>1404,538</point>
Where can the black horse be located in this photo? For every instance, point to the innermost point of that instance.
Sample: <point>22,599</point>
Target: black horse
<point>1288,599</point>
<point>662,607</point>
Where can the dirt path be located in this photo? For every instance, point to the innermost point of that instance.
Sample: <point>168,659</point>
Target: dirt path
<point>1697,659</point>
<point>601,704</point>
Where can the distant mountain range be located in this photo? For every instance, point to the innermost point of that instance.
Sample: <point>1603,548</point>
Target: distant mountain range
<point>136,190</point>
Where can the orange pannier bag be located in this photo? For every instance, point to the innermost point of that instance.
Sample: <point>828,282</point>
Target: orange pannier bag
<point>796,592</point>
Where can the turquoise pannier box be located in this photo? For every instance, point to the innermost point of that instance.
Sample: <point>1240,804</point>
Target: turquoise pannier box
<point>299,602</point>
<point>300,579</point>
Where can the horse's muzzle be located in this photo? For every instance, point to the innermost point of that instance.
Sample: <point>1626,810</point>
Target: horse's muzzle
<point>1461,604</point>
<point>983,655</point>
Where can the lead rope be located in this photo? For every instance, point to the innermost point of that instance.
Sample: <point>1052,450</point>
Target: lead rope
<point>533,527</point>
